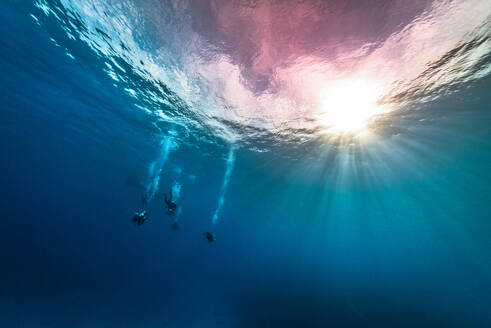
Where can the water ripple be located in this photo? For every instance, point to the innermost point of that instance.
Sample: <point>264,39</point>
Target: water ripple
<point>266,74</point>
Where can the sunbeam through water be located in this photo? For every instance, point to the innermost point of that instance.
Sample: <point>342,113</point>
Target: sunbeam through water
<point>245,163</point>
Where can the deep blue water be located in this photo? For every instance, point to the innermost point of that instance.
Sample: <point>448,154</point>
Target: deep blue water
<point>396,233</point>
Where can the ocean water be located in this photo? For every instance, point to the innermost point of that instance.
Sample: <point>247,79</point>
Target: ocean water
<point>340,152</point>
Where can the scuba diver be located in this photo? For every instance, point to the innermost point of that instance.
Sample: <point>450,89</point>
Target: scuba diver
<point>210,237</point>
<point>140,218</point>
<point>171,206</point>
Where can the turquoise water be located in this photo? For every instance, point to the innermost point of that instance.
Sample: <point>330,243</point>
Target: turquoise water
<point>108,102</point>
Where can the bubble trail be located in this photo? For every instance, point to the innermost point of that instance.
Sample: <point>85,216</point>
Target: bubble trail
<point>226,179</point>
<point>155,168</point>
<point>176,193</point>
<point>176,190</point>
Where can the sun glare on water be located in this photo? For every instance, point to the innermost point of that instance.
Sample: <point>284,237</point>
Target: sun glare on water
<point>347,106</point>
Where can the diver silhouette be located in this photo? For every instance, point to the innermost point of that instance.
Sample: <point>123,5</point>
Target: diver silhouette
<point>140,217</point>
<point>171,206</point>
<point>210,237</point>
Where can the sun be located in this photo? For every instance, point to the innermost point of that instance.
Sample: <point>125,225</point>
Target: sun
<point>346,106</point>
